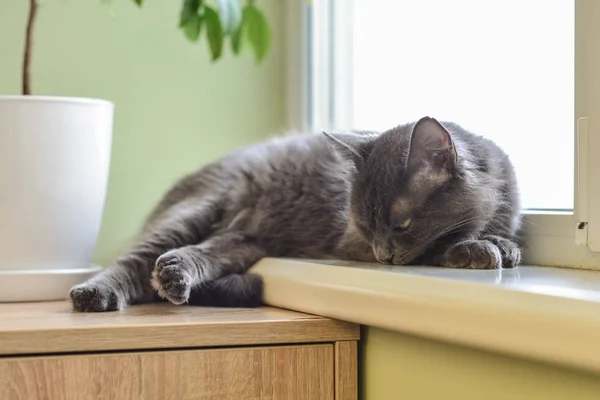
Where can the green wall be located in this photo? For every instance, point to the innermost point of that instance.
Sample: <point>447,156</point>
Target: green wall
<point>397,366</point>
<point>175,110</point>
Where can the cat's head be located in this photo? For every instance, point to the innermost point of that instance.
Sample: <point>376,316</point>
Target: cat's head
<point>408,192</point>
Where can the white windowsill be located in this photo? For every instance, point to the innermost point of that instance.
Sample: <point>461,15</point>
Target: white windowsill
<point>542,313</point>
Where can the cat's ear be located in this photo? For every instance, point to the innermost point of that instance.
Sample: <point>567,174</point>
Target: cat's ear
<point>355,147</point>
<point>432,144</point>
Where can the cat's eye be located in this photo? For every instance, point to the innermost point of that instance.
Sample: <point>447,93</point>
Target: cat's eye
<point>404,224</point>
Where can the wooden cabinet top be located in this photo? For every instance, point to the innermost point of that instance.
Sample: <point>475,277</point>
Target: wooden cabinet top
<point>52,327</point>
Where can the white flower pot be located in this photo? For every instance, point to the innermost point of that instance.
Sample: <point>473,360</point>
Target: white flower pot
<point>54,164</point>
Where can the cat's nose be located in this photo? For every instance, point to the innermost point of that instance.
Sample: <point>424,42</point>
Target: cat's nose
<point>384,254</point>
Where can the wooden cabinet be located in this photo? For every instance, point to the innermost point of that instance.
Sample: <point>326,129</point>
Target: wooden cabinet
<point>166,352</point>
<point>277,372</point>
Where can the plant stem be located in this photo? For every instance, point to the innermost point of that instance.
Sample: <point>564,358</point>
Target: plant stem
<point>33,5</point>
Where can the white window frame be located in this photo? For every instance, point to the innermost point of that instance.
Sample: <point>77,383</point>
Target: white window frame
<point>319,86</point>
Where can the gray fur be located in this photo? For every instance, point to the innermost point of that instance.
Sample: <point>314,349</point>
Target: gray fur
<point>420,193</point>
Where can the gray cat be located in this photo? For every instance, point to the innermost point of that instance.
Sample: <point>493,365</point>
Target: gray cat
<point>421,193</point>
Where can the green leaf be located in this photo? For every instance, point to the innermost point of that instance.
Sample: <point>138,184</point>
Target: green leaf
<point>192,28</point>
<point>259,33</point>
<point>214,32</point>
<point>231,15</point>
<point>138,2</point>
<point>237,39</point>
<point>188,11</point>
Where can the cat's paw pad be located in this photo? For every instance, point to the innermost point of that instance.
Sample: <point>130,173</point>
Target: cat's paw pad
<point>473,254</point>
<point>96,297</point>
<point>172,277</point>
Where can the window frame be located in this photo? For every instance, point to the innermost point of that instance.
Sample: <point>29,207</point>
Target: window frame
<point>320,98</point>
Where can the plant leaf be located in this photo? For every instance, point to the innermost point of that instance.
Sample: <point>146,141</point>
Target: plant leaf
<point>231,15</point>
<point>214,32</point>
<point>188,11</point>
<point>259,33</point>
<point>192,28</point>
<point>237,39</point>
<point>138,2</point>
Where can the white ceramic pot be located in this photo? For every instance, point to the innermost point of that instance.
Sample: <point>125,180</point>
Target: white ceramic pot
<point>54,164</point>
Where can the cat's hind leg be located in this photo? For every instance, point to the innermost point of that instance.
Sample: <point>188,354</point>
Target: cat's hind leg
<point>179,271</point>
<point>235,290</point>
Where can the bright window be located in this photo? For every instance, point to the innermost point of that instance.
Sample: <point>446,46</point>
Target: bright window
<point>520,72</point>
<point>500,68</point>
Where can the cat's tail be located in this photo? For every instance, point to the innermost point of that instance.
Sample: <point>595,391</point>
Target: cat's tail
<point>236,290</point>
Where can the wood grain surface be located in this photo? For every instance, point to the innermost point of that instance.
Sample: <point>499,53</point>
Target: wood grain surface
<point>346,370</point>
<point>43,328</point>
<point>278,372</point>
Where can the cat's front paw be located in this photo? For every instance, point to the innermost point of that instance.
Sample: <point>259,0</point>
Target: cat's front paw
<point>473,254</point>
<point>172,277</point>
<point>96,297</point>
<point>511,254</point>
